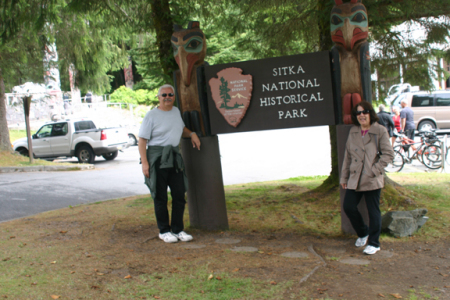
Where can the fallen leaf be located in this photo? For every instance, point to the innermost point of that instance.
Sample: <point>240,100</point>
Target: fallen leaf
<point>218,278</point>
<point>71,272</point>
<point>179,258</point>
<point>261,252</point>
<point>270,253</point>
<point>235,270</point>
<point>273,283</point>
<point>6,259</point>
<point>100,274</point>
<point>27,275</point>
<point>34,283</point>
<point>437,268</point>
<point>445,275</point>
<point>55,296</point>
<point>12,237</point>
<point>95,287</point>
<point>156,297</point>
<point>63,231</point>
<point>396,296</point>
<point>88,274</point>
<point>96,270</point>
<point>53,262</point>
<point>340,295</point>
<point>210,277</point>
<point>381,295</point>
<point>128,277</point>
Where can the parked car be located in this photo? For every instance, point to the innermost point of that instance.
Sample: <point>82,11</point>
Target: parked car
<point>431,109</point>
<point>74,138</point>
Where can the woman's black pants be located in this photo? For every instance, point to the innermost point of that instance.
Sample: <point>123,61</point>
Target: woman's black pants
<point>351,201</point>
<point>169,177</point>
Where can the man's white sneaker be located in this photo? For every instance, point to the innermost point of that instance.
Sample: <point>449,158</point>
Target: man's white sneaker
<point>362,241</point>
<point>168,237</point>
<point>183,236</point>
<point>371,250</point>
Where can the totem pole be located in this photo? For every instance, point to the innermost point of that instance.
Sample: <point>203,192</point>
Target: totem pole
<point>350,59</point>
<point>206,195</point>
<point>189,50</point>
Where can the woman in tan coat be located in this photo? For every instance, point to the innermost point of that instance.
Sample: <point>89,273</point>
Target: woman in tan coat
<point>368,152</point>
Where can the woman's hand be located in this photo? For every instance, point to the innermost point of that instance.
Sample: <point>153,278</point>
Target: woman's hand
<point>195,141</point>
<point>344,186</point>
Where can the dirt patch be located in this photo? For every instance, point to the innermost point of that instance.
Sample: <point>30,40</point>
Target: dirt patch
<point>94,252</point>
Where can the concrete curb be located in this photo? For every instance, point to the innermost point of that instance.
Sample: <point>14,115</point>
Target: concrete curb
<point>77,167</point>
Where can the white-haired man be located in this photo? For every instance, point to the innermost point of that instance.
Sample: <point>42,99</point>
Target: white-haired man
<point>162,164</point>
<point>407,120</point>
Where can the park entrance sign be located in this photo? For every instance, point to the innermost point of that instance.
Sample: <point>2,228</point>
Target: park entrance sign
<point>274,93</point>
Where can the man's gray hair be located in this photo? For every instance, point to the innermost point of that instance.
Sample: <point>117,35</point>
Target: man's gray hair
<point>165,86</point>
<point>381,107</point>
<point>404,101</point>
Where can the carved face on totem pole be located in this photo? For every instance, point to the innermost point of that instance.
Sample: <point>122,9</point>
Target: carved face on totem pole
<point>189,49</point>
<point>349,24</point>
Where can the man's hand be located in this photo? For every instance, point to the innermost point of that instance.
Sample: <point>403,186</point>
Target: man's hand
<point>146,170</point>
<point>195,141</point>
<point>344,186</point>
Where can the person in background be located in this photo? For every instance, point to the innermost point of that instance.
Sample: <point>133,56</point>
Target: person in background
<point>162,164</point>
<point>396,119</point>
<point>367,153</point>
<point>89,99</point>
<point>407,121</point>
<point>386,120</point>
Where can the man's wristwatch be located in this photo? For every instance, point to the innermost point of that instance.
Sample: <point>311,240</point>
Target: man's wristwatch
<point>191,133</point>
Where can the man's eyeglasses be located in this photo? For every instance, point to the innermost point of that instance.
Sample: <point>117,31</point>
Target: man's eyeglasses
<point>366,112</point>
<point>165,95</point>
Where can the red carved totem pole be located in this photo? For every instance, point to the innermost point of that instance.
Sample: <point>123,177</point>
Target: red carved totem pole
<point>350,59</point>
<point>206,195</point>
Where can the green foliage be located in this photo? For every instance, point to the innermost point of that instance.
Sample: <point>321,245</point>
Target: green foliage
<point>136,97</point>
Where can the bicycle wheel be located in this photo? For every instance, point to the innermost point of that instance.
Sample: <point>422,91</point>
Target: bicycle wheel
<point>397,163</point>
<point>432,157</point>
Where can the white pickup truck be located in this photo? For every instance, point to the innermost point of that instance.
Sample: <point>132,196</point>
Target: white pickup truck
<point>80,138</point>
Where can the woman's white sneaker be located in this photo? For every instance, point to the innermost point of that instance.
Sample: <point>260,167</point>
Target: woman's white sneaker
<point>362,241</point>
<point>168,237</point>
<point>371,250</point>
<point>183,236</point>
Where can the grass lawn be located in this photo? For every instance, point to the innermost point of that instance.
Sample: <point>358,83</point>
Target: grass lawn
<point>109,250</point>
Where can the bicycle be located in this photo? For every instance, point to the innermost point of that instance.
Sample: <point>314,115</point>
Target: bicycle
<point>428,151</point>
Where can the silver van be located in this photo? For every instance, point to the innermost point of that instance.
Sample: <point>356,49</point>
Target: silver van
<point>431,109</point>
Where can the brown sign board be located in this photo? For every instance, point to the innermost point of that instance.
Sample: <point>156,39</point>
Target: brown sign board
<point>273,93</point>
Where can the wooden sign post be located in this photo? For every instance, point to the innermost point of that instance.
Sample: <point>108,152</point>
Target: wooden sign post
<point>26,109</point>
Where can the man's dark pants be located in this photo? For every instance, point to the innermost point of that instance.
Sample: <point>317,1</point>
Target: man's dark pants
<point>169,177</point>
<point>410,135</point>
<point>351,201</point>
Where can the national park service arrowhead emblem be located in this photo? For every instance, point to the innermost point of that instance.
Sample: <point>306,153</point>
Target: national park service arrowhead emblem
<point>232,92</point>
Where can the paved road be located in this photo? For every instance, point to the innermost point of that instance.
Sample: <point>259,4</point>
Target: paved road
<point>23,194</point>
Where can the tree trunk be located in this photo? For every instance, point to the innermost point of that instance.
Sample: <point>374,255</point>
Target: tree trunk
<point>163,23</point>
<point>5,142</point>
<point>325,43</point>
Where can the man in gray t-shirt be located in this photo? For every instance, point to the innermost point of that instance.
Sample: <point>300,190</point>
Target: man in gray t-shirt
<point>161,131</point>
<point>407,121</point>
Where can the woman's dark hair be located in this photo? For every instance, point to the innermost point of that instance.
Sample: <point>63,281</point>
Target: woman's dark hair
<point>365,105</point>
